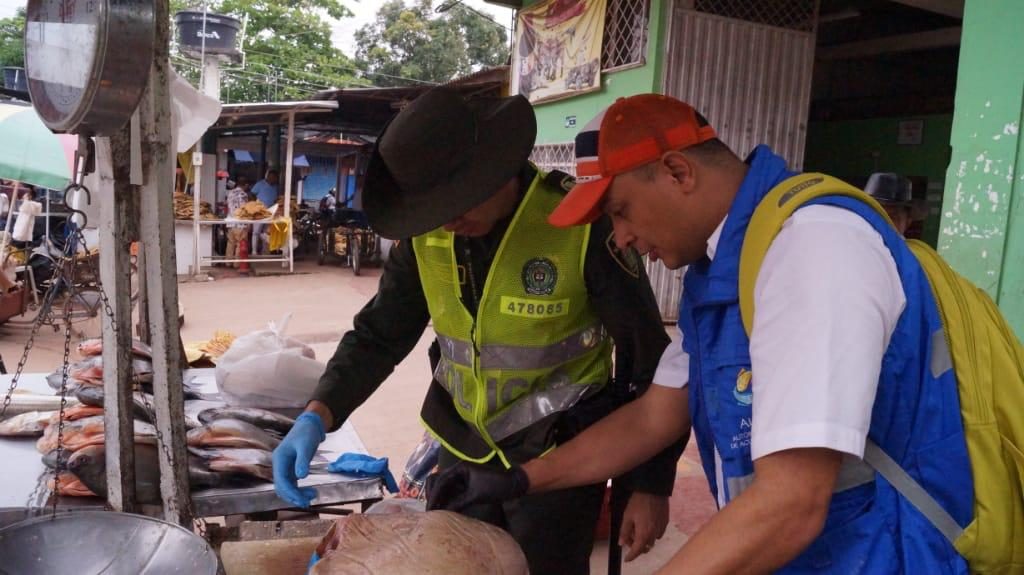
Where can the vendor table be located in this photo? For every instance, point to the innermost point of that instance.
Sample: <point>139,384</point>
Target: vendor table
<point>24,471</point>
<point>286,257</point>
<point>184,245</point>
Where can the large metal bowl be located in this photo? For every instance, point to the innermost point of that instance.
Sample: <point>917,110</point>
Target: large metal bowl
<point>94,542</point>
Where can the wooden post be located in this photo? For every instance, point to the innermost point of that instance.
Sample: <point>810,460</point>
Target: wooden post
<point>142,303</point>
<point>157,227</point>
<point>118,228</point>
<point>290,158</point>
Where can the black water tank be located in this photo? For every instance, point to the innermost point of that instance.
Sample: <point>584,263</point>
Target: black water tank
<point>220,33</point>
<point>15,79</point>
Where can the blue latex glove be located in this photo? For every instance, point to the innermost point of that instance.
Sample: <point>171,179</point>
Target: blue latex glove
<point>292,457</point>
<point>364,466</point>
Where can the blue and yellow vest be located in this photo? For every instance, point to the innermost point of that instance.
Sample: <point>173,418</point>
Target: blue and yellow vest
<point>871,528</point>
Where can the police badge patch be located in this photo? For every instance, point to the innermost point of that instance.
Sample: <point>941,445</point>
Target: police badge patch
<point>540,276</point>
<point>628,260</point>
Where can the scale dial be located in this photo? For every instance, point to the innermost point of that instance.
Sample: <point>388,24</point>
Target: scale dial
<point>88,61</point>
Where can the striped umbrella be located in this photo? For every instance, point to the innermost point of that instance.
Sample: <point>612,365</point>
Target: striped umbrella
<point>30,152</point>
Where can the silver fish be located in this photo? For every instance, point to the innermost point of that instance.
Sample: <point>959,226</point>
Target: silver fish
<point>89,464</point>
<point>261,418</point>
<point>254,462</point>
<point>231,433</point>
<point>26,402</point>
<point>29,424</point>
<point>195,407</point>
<point>142,402</point>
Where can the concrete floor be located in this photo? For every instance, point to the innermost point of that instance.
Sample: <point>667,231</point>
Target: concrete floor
<point>322,302</point>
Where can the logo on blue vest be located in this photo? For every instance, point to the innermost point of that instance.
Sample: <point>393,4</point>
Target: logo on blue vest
<point>743,394</point>
<point>540,276</point>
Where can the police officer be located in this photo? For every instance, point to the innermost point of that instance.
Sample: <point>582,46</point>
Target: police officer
<point>845,370</point>
<point>525,314</point>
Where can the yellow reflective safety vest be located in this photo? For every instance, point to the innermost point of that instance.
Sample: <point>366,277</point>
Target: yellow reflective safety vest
<point>535,347</point>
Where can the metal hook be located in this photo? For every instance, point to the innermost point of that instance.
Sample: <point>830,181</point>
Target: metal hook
<point>74,187</point>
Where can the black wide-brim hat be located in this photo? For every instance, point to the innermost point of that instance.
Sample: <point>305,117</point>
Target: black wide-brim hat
<point>442,156</point>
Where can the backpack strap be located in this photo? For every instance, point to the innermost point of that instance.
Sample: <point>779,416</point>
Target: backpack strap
<point>909,488</point>
<point>766,223</point>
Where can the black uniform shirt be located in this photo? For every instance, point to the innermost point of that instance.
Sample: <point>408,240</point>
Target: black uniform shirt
<point>391,323</point>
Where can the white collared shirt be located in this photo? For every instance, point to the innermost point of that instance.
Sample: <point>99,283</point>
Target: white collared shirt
<point>828,297</point>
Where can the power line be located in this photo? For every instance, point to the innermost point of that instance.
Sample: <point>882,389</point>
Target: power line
<point>352,69</point>
<point>236,74</point>
<point>273,67</point>
<point>461,3</point>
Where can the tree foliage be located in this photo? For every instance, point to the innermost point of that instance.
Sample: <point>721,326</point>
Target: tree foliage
<point>12,45</point>
<point>289,53</point>
<point>413,42</point>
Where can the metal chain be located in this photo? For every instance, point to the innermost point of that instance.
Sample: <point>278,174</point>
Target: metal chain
<point>67,266</point>
<point>21,362</point>
<point>65,371</point>
<point>199,523</point>
<point>45,314</point>
<point>45,311</point>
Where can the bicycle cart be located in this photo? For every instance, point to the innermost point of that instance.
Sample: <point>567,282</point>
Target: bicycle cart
<point>345,233</point>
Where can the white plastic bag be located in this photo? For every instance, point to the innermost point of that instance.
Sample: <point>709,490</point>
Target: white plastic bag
<point>269,370</point>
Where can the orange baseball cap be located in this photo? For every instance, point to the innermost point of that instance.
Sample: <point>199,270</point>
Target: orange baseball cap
<point>631,132</point>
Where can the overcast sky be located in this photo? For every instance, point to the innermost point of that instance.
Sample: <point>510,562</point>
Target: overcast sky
<point>364,11</point>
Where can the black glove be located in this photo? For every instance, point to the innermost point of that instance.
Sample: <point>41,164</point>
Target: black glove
<point>466,484</point>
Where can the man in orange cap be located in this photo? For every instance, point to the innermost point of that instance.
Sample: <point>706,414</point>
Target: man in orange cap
<point>841,375</point>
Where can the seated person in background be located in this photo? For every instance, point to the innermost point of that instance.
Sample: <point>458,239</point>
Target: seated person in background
<point>894,193</point>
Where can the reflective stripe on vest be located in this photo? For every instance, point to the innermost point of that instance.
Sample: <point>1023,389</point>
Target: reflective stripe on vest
<point>497,356</point>
<point>535,347</point>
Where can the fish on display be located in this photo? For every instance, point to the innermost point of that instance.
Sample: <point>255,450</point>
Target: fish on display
<point>90,465</point>
<point>142,403</point>
<point>231,433</point>
<point>88,425</point>
<point>75,413</point>
<point>26,402</point>
<point>29,424</point>
<point>261,418</point>
<point>94,346</point>
<point>54,381</point>
<point>71,486</point>
<point>189,391</point>
<point>89,431</point>
<point>89,395</point>
<point>246,461</point>
<point>50,459</point>
<point>193,407</point>
<point>89,371</point>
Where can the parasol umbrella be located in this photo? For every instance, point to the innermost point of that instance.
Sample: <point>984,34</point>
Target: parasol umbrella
<point>30,152</point>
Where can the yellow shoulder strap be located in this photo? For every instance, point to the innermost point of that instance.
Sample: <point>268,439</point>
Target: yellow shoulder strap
<point>771,213</point>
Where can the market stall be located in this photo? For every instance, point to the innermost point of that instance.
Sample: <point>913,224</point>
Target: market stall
<point>291,114</point>
<point>30,155</point>
<point>28,483</point>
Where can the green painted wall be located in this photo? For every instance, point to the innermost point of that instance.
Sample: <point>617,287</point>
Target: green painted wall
<point>982,233</point>
<point>551,116</point>
<point>856,148</point>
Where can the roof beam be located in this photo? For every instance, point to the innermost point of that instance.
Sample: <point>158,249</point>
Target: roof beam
<point>951,8</point>
<point>939,38</point>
